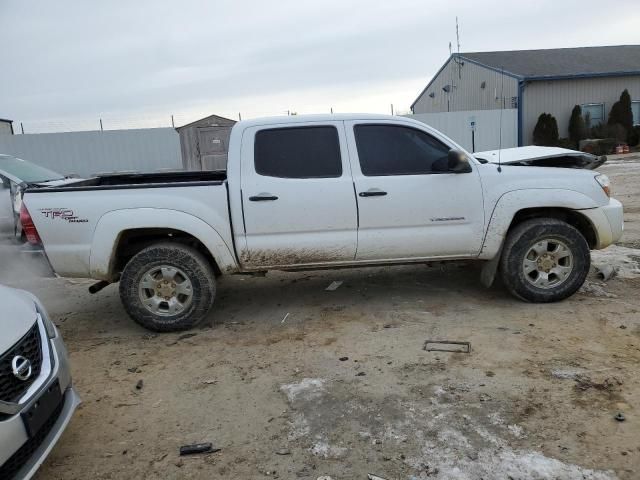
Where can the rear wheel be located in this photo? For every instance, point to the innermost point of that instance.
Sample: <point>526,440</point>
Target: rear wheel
<point>167,287</point>
<point>544,260</point>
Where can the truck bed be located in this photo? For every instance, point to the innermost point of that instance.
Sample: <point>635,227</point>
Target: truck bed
<point>140,180</point>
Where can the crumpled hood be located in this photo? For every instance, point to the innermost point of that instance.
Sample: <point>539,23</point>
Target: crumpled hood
<point>17,316</point>
<point>536,156</point>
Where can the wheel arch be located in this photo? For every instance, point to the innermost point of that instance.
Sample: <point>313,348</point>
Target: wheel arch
<point>572,217</point>
<point>121,234</point>
<point>133,241</point>
<point>517,206</point>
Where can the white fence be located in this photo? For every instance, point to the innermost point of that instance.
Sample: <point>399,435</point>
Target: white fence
<point>88,153</point>
<point>458,126</point>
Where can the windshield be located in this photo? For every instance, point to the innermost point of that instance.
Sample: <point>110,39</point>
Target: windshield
<point>26,171</point>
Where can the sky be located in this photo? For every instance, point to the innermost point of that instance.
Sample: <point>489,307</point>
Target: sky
<point>68,63</point>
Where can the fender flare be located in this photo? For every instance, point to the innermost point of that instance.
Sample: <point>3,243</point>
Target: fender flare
<point>512,202</point>
<point>112,224</point>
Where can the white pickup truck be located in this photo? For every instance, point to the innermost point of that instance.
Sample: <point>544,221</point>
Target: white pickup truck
<point>308,192</point>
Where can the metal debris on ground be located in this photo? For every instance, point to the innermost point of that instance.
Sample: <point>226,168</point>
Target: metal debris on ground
<point>283,451</point>
<point>285,318</point>
<point>605,272</point>
<point>447,346</point>
<point>333,286</point>
<point>371,476</point>
<point>620,417</point>
<point>198,448</point>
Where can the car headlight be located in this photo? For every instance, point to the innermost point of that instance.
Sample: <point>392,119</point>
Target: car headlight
<point>52,332</point>
<point>605,183</point>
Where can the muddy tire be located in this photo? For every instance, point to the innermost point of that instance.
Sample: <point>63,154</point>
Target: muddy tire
<point>544,260</point>
<point>167,287</point>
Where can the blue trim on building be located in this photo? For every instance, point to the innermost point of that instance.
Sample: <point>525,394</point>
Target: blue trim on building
<point>451,57</point>
<point>521,85</point>
<point>581,75</point>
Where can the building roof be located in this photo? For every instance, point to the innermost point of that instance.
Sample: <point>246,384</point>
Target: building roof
<point>554,63</point>
<point>211,120</point>
<point>562,62</point>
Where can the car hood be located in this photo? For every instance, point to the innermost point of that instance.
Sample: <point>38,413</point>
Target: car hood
<point>49,183</point>
<point>535,156</point>
<point>18,316</point>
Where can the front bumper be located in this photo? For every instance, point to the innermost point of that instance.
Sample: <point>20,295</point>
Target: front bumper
<point>20,455</point>
<point>35,450</point>
<point>608,222</point>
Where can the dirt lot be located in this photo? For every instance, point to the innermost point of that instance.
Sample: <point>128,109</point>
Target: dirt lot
<point>293,381</point>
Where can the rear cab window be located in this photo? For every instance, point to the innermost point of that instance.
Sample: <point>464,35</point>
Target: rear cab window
<point>298,152</point>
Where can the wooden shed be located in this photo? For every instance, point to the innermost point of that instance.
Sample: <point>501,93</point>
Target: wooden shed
<point>205,143</point>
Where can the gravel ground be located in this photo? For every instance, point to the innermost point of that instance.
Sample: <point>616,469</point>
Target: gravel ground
<point>293,381</point>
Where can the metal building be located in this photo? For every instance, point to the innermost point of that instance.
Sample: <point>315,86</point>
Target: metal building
<point>536,81</point>
<point>88,153</point>
<point>6,126</point>
<point>204,143</point>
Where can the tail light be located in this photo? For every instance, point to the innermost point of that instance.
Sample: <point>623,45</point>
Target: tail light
<point>28,227</point>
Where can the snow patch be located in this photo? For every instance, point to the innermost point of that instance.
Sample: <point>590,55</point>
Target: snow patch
<point>323,449</point>
<point>307,389</point>
<point>625,261</point>
<point>596,289</point>
<point>568,373</point>
<point>299,427</point>
<point>515,430</point>
<point>495,418</point>
<point>508,463</point>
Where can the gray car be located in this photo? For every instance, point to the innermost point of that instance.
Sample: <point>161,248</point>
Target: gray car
<point>17,174</point>
<point>37,398</point>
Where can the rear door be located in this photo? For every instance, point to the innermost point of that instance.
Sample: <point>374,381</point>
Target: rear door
<point>410,205</point>
<point>297,195</point>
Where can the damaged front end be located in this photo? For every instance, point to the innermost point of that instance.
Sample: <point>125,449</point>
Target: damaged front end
<point>534,156</point>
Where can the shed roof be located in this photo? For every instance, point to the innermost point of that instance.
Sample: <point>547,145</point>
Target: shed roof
<point>562,62</point>
<point>211,120</point>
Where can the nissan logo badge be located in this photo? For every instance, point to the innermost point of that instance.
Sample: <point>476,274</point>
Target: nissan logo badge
<point>21,367</point>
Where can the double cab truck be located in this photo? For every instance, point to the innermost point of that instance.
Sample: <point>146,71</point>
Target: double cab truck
<point>317,192</point>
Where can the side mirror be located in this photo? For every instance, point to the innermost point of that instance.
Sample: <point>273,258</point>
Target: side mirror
<point>457,162</point>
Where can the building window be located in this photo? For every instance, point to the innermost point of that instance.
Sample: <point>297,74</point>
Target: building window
<point>593,114</point>
<point>635,108</point>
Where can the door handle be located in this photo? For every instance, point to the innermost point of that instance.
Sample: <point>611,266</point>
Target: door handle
<point>263,197</point>
<point>372,193</point>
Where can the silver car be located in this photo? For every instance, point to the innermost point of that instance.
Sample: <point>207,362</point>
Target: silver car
<point>37,398</point>
<point>17,174</point>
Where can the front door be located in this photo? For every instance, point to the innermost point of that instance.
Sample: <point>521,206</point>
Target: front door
<point>297,195</point>
<point>410,205</point>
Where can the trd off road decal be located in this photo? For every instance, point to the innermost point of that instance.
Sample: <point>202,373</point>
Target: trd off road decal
<point>63,214</point>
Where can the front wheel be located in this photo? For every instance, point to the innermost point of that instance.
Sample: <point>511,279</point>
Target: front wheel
<point>544,260</point>
<point>167,287</point>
